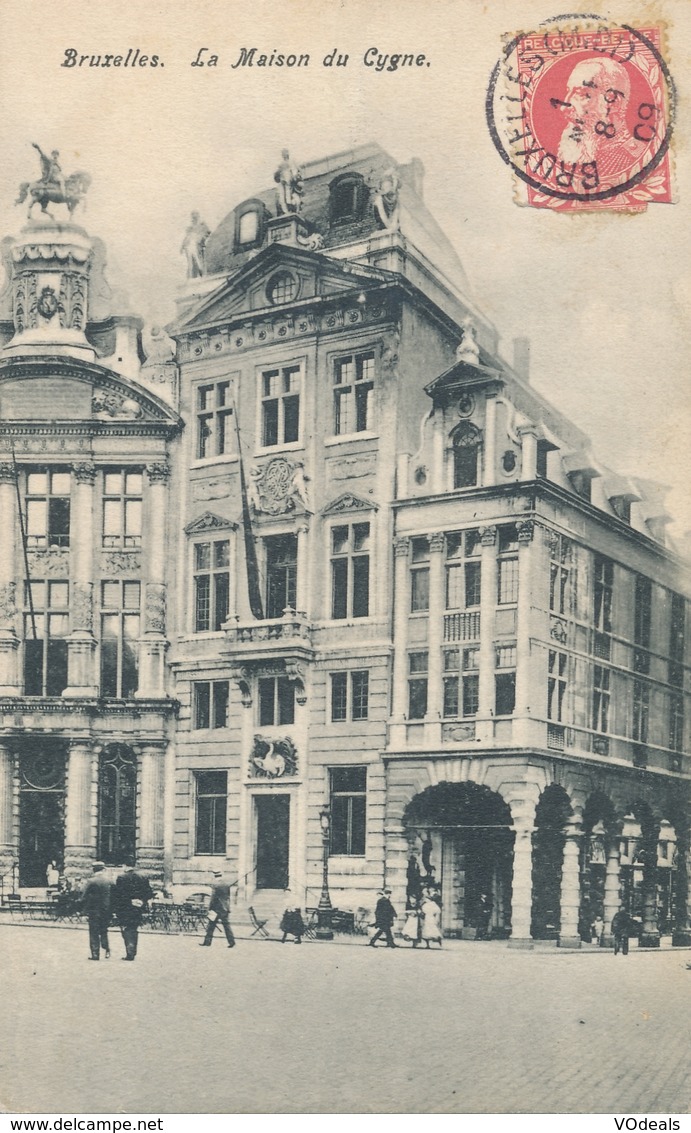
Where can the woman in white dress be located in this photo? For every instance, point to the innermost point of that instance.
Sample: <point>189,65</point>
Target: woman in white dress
<point>431,920</point>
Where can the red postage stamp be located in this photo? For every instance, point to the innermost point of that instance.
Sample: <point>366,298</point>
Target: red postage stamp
<point>584,116</point>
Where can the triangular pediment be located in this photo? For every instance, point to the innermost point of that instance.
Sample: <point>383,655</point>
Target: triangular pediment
<point>209,522</point>
<point>348,502</point>
<point>249,291</point>
<point>51,389</point>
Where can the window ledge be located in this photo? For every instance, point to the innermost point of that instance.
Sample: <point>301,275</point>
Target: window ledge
<point>342,438</point>
<point>272,450</point>
<point>208,461</point>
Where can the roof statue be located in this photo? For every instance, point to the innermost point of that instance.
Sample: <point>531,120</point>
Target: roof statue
<point>290,188</point>
<point>468,349</point>
<point>194,246</point>
<point>386,200</point>
<point>53,187</point>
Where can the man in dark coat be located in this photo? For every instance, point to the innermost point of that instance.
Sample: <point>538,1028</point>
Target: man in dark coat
<point>384,918</point>
<point>219,910</point>
<point>621,926</point>
<point>97,904</point>
<point>132,894</point>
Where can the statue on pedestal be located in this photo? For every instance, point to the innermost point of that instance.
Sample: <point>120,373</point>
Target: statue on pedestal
<point>468,349</point>
<point>53,187</point>
<point>290,188</point>
<point>194,246</point>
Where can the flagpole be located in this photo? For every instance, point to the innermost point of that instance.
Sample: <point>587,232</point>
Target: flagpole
<point>22,529</point>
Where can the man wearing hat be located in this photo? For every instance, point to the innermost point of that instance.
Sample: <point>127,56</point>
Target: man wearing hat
<point>132,894</point>
<point>219,910</point>
<point>97,903</point>
<point>384,918</point>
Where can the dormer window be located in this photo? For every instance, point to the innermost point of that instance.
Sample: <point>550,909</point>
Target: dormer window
<point>348,196</point>
<point>248,227</point>
<point>467,440</point>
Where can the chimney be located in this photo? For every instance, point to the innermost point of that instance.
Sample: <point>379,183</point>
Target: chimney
<point>521,357</point>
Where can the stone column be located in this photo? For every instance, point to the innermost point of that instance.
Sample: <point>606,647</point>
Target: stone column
<point>681,934</point>
<point>80,809</point>
<point>650,936</point>
<point>489,475</point>
<point>612,890</point>
<point>488,603</point>
<point>8,831</point>
<point>570,888</point>
<point>10,684</point>
<point>435,633</point>
<point>521,727</point>
<point>82,678</point>
<point>153,643</point>
<point>302,602</point>
<point>522,884</point>
<point>151,808</point>
<point>438,478</point>
<point>400,637</point>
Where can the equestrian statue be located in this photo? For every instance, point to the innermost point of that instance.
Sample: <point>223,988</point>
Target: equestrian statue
<point>54,187</point>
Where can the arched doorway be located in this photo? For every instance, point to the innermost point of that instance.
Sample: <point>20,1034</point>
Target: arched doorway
<point>41,811</point>
<point>600,834</point>
<point>551,816</point>
<point>463,833</point>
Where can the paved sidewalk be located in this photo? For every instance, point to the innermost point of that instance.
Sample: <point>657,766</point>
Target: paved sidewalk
<point>323,1028</point>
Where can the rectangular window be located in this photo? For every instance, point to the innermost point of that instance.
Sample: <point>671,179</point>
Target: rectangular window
<point>47,509</point>
<point>348,796</point>
<point>641,706</point>
<point>461,682</point>
<point>419,576</point>
<point>676,722</point>
<point>505,681</point>
<point>350,563</point>
<point>560,567</point>
<point>280,406</point>
<point>210,704</point>
<point>211,584</point>
<point>353,393</point>
<point>417,685</point>
<point>350,695</point>
<point>214,425</point>
<point>276,701</point>
<point>556,686</point>
<point>120,611</point>
<point>507,581</point>
<point>122,508</point>
<point>211,788</point>
<point>601,694</point>
<point>463,570</point>
<point>281,574</point>
<point>45,633</point>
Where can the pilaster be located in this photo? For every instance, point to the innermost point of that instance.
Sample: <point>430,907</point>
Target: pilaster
<point>400,654</point>
<point>488,601</point>
<point>153,643</point>
<point>437,544</point>
<point>81,645</point>
<point>522,720</point>
<point>612,891</point>
<point>80,808</point>
<point>570,889</point>
<point>10,684</point>
<point>8,843</point>
<point>151,812</point>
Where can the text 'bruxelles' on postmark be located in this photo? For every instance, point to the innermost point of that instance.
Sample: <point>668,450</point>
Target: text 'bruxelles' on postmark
<point>583,114</point>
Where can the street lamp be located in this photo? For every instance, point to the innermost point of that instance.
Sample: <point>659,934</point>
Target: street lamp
<point>323,930</point>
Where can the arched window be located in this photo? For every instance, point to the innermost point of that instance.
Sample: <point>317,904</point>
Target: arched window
<point>467,440</point>
<point>250,222</point>
<point>348,196</point>
<point>117,802</point>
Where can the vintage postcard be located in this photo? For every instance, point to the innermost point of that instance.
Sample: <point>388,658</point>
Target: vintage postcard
<point>345,567</point>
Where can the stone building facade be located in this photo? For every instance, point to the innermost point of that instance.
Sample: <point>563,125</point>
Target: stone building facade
<point>336,552</point>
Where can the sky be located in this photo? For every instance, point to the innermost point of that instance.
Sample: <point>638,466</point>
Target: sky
<point>604,298</point>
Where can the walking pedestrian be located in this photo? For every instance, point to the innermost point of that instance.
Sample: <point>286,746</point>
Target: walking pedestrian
<point>621,926</point>
<point>384,919</point>
<point>132,895</point>
<point>411,928</point>
<point>431,919</point>
<point>219,910</point>
<point>97,904</point>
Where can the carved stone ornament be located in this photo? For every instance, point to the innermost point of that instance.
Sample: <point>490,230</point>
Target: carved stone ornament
<point>209,522</point>
<point>8,603</point>
<point>466,404</point>
<point>107,403</point>
<point>488,536</point>
<point>437,542</point>
<point>525,529</point>
<point>348,502</point>
<point>84,472</point>
<point>273,759</point>
<point>279,486</point>
<point>73,301</point>
<point>400,547</point>
<point>54,563</point>
<point>557,630</point>
<point>313,243</point>
<point>468,350</point>
<point>386,203</point>
<point>48,304</point>
<point>8,473</point>
<point>81,601</point>
<point>122,562</point>
<point>155,609</point>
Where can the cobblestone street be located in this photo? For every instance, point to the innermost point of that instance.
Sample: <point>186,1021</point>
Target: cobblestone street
<point>336,1028</point>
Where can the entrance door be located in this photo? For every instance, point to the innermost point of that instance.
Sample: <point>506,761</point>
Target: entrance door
<point>40,835</point>
<point>273,840</point>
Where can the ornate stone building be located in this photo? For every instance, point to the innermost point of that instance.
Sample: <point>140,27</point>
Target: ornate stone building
<point>439,613</point>
<point>85,433</point>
